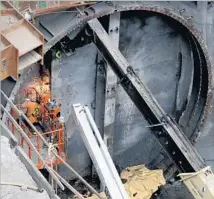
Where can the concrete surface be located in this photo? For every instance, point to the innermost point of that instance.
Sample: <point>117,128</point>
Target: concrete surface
<point>77,77</point>
<point>13,171</point>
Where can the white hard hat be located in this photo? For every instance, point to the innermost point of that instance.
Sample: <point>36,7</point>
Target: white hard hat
<point>27,16</point>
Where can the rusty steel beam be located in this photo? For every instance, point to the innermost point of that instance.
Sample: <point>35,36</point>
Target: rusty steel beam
<point>58,8</point>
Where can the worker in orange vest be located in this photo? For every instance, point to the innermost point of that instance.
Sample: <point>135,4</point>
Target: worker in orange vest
<point>33,113</point>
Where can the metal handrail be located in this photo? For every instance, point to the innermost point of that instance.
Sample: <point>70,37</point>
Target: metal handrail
<point>46,143</point>
<point>32,146</point>
<point>53,173</point>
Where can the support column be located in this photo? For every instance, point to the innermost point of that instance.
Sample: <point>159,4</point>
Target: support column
<point>202,9</point>
<point>110,88</point>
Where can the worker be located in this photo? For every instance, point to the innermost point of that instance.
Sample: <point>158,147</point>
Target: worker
<point>58,54</point>
<point>32,113</point>
<point>43,88</point>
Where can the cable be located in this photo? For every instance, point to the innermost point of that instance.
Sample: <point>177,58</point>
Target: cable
<point>34,188</point>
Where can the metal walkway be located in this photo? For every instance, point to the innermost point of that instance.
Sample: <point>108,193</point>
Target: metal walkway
<point>99,152</point>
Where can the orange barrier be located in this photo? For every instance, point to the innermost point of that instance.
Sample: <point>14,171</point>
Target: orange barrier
<point>56,135</point>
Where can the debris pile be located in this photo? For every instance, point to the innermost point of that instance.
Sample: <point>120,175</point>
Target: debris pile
<point>140,182</point>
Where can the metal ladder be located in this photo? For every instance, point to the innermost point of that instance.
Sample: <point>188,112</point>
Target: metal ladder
<point>98,152</point>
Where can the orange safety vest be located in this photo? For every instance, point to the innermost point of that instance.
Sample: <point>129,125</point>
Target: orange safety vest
<point>33,110</point>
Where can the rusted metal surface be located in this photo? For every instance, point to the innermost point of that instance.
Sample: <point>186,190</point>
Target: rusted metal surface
<point>60,7</point>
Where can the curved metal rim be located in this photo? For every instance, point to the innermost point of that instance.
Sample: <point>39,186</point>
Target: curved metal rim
<point>157,9</point>
<point>83,18</point>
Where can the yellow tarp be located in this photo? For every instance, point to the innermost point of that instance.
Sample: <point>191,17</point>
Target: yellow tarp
<point>141,182</point>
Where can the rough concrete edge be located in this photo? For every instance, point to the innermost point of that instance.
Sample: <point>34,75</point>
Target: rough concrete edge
<point>35,174</point>
<point>31,168</point>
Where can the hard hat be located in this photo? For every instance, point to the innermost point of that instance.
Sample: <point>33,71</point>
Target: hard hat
<point>27,99</point>
<point>27,16</point>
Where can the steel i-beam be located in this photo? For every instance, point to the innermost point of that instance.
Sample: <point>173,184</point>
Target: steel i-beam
<point>111,85</point>
<point>170,136</point>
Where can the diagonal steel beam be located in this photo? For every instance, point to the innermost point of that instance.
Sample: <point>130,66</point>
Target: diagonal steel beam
<point>169,135</point>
